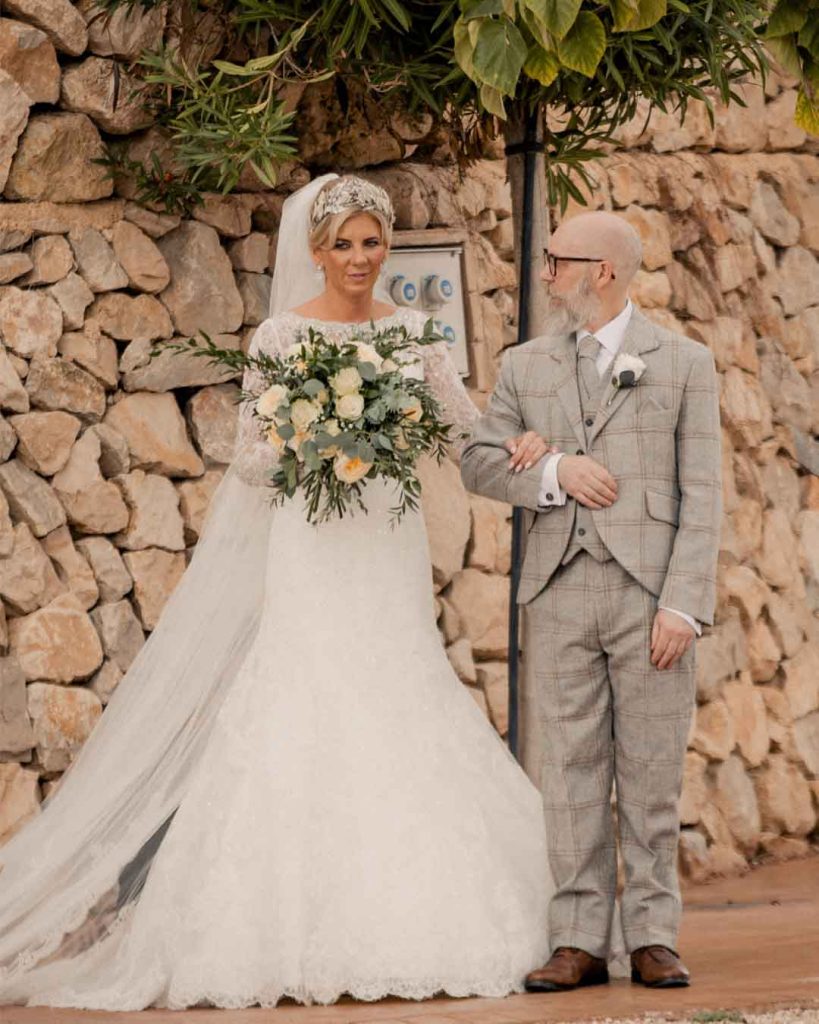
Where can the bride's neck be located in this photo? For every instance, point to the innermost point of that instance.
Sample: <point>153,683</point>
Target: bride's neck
<point>332,305</point>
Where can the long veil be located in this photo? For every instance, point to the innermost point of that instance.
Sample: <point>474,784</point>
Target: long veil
<point>69,876</point>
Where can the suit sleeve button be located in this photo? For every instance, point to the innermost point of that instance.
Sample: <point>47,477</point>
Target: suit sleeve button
<point>550,497</point>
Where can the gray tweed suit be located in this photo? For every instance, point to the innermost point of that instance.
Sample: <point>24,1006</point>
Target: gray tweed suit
<point>593,708</point>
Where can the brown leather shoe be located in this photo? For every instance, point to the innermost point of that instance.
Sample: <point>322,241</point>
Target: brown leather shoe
<point>567,968</point>
<point>658,967</point>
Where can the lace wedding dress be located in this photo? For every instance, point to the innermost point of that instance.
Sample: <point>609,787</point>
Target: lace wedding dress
<point>352,823</point>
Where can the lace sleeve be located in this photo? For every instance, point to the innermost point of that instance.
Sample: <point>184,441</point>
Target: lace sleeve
<point>448,388</point>
<point>253,458</point>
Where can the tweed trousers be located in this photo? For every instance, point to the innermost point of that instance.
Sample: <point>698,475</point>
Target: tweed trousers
<point>594,711</point>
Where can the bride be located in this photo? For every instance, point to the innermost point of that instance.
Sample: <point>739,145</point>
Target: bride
<point>290,793</point>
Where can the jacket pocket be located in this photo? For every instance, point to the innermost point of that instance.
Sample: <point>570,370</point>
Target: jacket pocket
<point>664,507</point>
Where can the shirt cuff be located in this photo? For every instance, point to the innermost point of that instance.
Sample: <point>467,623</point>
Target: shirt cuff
<point>696,626</point>
<point>550,490</point>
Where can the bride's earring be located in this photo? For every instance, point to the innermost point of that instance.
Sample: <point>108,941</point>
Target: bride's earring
<point>319,271</point>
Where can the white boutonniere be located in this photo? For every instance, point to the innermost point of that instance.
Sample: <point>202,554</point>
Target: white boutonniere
<point>625,372</point>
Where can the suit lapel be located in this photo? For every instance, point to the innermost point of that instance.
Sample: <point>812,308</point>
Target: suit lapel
<point>640,337</point>
<point>567,388</point>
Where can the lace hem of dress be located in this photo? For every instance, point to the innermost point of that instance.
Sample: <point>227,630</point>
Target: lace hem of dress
<point>363,991</point>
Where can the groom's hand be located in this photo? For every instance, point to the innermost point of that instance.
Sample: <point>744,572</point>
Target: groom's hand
<point>671,636</point>
<point>587,481</point>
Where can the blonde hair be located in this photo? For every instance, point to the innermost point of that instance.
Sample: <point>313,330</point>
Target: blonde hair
<point>325,234</point>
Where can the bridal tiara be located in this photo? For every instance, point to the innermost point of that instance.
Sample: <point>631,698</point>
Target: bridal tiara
<point>351,193</point>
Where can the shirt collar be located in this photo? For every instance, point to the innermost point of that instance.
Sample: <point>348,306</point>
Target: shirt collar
<point>611,335</point>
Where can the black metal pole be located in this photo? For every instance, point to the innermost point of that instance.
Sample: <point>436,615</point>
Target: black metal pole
<point>531,146</point>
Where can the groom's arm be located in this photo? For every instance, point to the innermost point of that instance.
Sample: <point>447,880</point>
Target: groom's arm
<point>485,461</point>
<point>690,583</point>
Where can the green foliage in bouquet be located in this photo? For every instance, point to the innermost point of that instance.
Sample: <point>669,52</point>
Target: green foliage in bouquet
<point>340,413</point>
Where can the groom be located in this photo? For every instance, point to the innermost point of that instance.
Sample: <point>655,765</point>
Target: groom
<point>622,531</point>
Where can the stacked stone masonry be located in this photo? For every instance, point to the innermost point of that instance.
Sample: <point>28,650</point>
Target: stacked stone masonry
<point>108,458</point>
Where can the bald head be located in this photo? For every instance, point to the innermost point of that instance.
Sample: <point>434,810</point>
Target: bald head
<point>604,236</point>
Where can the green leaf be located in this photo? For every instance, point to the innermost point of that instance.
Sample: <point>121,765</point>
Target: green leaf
<point>786,53</point>
<point>312,387</point>
<point>368,371</point>
<point>481,9</point>
<point>645,14</point>
<point>541,65</point>
<point>584,46</point>
<point>492,101</point>
<point>464,48</point>
<point>286,431</point>
<point>499,55</point>
<point>233,69</point>
<point>807,113</point>
<point>557,16</point>
<point>809,37</point>
<point>788,16</point>
<point>623,11</point>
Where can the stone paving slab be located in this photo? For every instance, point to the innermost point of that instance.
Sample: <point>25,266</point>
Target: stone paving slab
<point>751,943</point>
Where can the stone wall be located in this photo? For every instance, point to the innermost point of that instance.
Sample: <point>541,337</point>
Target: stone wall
<point>108,461</point>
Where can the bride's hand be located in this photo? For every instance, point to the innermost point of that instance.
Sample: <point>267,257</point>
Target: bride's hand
<point>527,449</point>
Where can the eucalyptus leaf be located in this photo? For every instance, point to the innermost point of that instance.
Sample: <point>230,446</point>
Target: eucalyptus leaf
<point>313,387</point>
<point>286,431</point>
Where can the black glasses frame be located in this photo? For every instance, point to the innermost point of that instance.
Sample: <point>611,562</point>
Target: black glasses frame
<point>552,261</point>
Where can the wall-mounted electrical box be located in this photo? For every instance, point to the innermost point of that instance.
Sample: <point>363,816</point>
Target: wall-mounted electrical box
<point>430,278</point>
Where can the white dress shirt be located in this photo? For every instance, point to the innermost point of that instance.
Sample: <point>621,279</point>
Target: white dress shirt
<point>610,336</point>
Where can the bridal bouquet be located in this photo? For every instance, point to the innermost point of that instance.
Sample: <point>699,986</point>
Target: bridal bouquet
<point>340,413</point>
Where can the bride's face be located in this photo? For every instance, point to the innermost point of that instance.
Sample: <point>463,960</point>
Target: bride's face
<point>352,265</point>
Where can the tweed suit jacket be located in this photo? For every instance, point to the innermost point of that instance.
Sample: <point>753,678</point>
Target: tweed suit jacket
<point>660,440</point>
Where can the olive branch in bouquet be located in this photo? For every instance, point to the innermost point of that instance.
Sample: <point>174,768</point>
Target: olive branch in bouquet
<point>340,413</point>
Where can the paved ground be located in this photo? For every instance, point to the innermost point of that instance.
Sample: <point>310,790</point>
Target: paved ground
<point>751,943</point>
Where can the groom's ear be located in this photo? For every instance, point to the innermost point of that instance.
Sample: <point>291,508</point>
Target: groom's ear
<point>605,272</point>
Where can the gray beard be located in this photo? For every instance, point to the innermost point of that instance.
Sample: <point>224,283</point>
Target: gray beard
<point>569,313</point>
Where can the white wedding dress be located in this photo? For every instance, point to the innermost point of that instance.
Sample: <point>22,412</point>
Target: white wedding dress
<point>352,823</point>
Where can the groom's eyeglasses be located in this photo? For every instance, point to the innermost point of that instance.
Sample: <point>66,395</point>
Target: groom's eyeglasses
<point>552,261</point>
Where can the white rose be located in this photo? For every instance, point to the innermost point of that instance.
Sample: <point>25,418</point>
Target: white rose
<point>323,397</point>
<point>268,402</point>
<point>346,381</point>
<point>367,354</point>
<point>332,428</point>
<point>303,413</point>
<point>350,407</point>
<point>413,410</point>
<point>389,366</point>
<point>350,470</point>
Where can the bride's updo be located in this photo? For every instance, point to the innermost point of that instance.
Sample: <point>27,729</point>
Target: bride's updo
<point>344,198</point>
